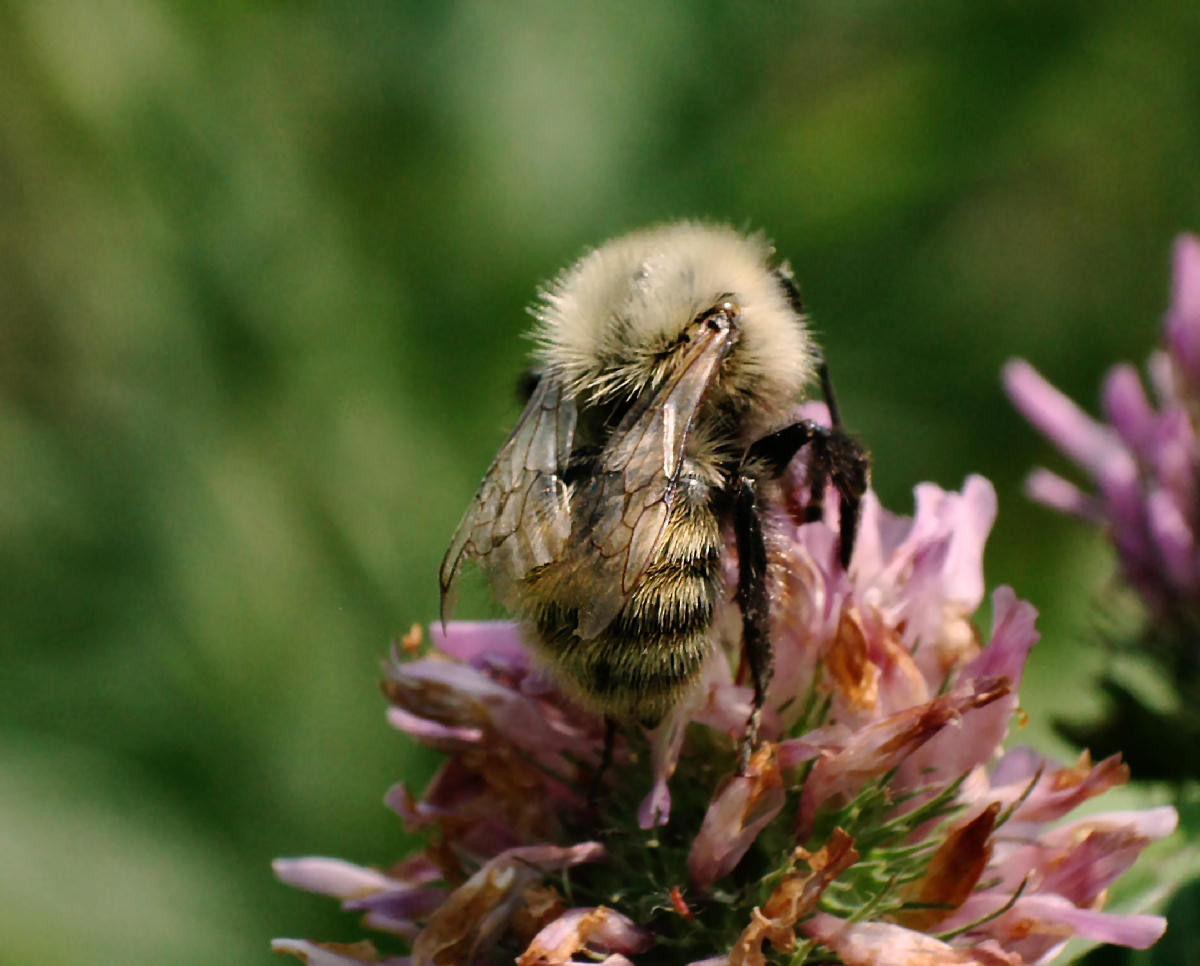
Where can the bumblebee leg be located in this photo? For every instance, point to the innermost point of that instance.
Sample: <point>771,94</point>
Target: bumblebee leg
<point>752,599</point>
<point>606,757</point>
<point>776,449</point>
<point>850,471</point>
<point>848,466</point>
<point>834,457</point>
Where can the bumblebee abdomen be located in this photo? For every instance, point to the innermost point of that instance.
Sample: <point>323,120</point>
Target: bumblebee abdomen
<point>653,651</point>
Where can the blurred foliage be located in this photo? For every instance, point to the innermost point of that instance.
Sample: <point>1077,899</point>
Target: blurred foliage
<point>262,277</point>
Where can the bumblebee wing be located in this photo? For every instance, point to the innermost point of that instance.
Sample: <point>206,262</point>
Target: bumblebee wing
<point>520,517</point>
<point>631,496</point>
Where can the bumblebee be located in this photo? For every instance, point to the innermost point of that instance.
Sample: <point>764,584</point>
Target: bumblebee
<point>668,363</point>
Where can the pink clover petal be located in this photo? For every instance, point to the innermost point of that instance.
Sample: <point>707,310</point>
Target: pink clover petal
<point>1060,790</point>
<point>924,527</point>
<point>474,641</point>
<point>932,566</point>
<point>470,697</point>
<point>1125,405</point>
<point>814,587</point>
<point>884,944</point>
<point>1082,871</point>
<point>655,808</point>
<point>793,751</point>
<point>742,809</point>
<point>1089,443</point>
<point>400,800</point>
<point>1037,925</point>
<point>710,703</point>
<point>813,590</point>
<point>618,934</point>
<point>400,908</point>
<point>1094,447</point>
<point>432,732</point>
<point>379,922</point>
<point>594,930</point>
<point>1053,491</point>
<point>974,512</point>
<point>882,746</point>
<point>448,686</point>
<point>904,680</point>
<point>1163,378</point>
<point>1173,539</point>
<point>1183,317</point>
<point>1013,636</point>
<point>332,877</point>
<point>879,533</point>
<point>1078,861</point>
<point>1151,823</point>
<point>921,610</point>
<point>1119,483</point>
<point>666,742</point>
<point>331,954</point>
<point>1017,765</point>
<point>969,740</point>
<point>726,709</point>
<point>1174,453</point>
<point>554,858</point>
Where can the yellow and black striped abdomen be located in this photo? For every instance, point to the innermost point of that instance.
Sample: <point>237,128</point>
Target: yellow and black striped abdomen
<point>651,654</point>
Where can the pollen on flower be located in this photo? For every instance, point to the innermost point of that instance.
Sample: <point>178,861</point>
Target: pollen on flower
<point>869,827</point>
<point>411,641</point>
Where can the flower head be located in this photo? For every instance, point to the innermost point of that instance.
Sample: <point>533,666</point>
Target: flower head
<point>876,822</point>
<point>1144,462</point>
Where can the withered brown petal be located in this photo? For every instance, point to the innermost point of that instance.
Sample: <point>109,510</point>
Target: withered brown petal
<point>467,921</point>
<point>855,678</point>
<point>793,898</point>
<point>953,871</point>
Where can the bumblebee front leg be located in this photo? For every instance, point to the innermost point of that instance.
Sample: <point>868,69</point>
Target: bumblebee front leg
<point>834,457</point>
<point>848,466</point>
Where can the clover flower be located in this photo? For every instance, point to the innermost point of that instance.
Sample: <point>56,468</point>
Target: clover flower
<point>877,821</point>
<point>1144,462</point>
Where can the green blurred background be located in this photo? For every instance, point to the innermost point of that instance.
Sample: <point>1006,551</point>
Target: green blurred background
<point>263,272</point>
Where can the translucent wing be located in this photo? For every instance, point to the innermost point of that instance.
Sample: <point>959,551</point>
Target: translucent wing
<point>520,517</point>
<point>626,508</point>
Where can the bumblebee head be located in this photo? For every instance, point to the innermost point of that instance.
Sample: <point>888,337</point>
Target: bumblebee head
<point>615,323</point>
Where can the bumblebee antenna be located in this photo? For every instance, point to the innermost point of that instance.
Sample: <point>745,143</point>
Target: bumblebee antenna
<point>835,418</point>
